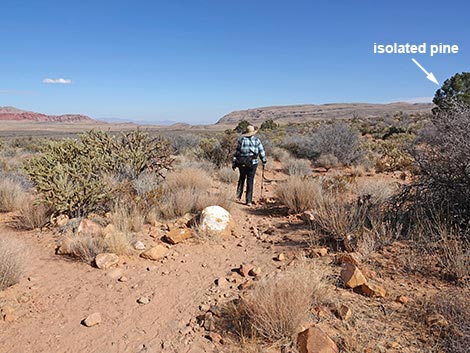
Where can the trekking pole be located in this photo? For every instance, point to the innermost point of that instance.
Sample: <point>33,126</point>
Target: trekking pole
<point>262,182</point>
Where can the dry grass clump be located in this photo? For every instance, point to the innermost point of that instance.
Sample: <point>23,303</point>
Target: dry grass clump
<point>454,330</point>
<point>449,246</point>
<point>298,194</point>
<point>127,218</point>
<point>299,167</point>
<point>276,306</point>
<point>222,199</point>
<point>327,161</point>
<point>12,195</point>
<point>227,175</point>
<point>187,191</point>
<point>280,154</point>
<point>85,247</point>
<point>188,178</point>
<point>11,262</point>
<point>82,247</point>
<point>31,215</point>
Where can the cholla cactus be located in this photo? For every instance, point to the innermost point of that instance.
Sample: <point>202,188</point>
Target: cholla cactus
<point>74,176</point>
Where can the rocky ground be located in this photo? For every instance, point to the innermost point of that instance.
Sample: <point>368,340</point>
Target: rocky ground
<point>169,304</point>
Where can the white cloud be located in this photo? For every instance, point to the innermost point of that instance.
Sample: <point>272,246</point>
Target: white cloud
<point>57,80</point>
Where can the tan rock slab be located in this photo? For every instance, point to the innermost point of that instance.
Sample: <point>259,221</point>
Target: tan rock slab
<point>88,227</point>
<point>352,276</point>
<point>314,340</point>
<point>105,261</point>
<point>92,320</point>
<point>372,290</point>
<point>178,235</point>
<point>155,253</point>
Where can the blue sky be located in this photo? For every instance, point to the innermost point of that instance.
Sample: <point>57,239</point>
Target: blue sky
<point>194,61</point>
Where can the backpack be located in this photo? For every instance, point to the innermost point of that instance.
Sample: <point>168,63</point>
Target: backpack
<point>244,161</point>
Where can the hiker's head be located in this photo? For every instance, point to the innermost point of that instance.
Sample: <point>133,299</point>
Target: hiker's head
<point>250,130</point>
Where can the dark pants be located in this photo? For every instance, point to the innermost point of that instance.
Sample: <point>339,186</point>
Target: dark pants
<point>247,173</point>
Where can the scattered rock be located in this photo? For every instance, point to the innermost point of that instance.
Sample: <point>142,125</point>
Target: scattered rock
<point>245,269</point>
<point>138,245</point>
<point>92,320</point>
<point>105,261</point>
<point>245,285</point>
<point>155,253</point>
<point>204,307</point>
<point>123,279</point>
<point>178,235</point>
<point>143,300</point>
<point>307,216</point>
<point>437,320</point>
<point>352,276</point>
<point>280,257</point>
<point>90,228</point>
<point>255,271</point>
<point>314,340</point>
<point>402,299</point>
<point>318,252</point>
<point>209,322</point>
<point>9,317</point>
<point>216,222</point>
<point>351,258</point>
<point>62,220</point>
<point>372,290</point>
<point>343,312</point>
<point>214,337</point>
<point>115,273</point>
<point>222,282</point>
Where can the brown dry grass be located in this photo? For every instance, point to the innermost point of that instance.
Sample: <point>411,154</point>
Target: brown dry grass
<point>31,215</point>
<point>298,194</point>
<point>276,306</point>
<point>85,247</point>
<point>12,195</point>
<point>455,309</point>
<point>227,175</point>
<point>127,218</point>
<point>188,178</point>
<point>11,262</point>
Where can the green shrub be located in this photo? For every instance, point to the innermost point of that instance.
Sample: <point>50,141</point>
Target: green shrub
<point>76,177</point>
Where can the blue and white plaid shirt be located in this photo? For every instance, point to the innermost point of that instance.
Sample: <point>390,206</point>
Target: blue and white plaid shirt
<point>250,146</point>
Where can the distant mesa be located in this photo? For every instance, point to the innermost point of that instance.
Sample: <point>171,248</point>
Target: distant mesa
<point>310,112</point>
<point>15,114</point>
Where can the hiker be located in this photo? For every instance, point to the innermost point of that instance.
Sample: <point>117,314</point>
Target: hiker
<point>249,147</point>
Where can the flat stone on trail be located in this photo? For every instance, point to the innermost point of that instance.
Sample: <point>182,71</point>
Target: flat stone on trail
<point>178,235</point>
<point>138,245</point>
<point>92,320</point>
<point>245,269</point>
<point>105,261</point>
<point>115,273</point>
<point>155,253</point>
<point>143,300</point>
<point>281,257</point>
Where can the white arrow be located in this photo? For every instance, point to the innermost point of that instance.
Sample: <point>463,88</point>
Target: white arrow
<point>429,75</point>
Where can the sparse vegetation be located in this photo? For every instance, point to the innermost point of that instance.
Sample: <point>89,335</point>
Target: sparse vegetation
<point>299,167</point>
<point>11,262</point>
<point>276,306</point>
<point>12,195</point>
<point>298,194</point>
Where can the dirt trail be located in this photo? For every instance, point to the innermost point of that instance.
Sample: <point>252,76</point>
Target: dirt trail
<point>55,294</point>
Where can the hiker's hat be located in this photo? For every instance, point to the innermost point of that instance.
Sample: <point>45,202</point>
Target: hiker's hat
<point>250,131</point>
